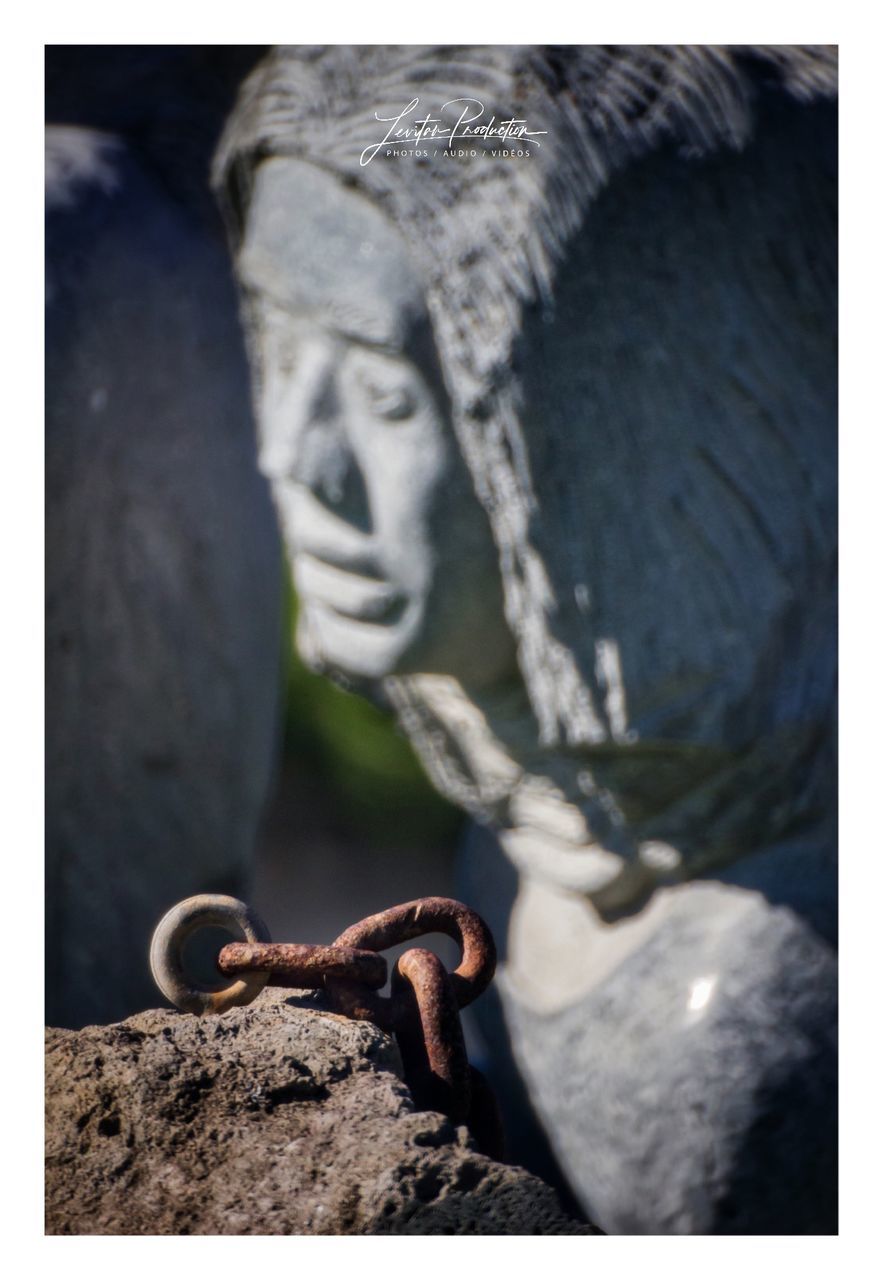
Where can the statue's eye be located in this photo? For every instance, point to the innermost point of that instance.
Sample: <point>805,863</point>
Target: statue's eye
<point>394,403</point>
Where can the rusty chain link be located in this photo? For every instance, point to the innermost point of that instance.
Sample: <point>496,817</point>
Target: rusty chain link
<point>422,1010</point>
<point>296,964</point>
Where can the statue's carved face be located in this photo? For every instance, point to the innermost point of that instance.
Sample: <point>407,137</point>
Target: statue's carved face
<point>392,555</point>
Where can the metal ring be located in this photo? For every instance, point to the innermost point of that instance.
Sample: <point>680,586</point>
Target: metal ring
<point>430,1035</point>
<point>204,911</point>
<point>414,920</point>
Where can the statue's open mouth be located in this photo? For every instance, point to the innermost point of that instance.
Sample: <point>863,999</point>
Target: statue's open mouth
<point>356,596</point>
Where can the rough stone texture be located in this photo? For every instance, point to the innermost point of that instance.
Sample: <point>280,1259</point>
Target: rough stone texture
<point>279,1118</point>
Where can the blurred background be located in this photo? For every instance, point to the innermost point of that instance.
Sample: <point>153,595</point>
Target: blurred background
<point>187,750</point>
<point>352,825</point>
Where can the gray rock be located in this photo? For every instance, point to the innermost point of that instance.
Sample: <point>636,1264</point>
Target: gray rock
<point>703,1070</point>
<point>279,1118</point>
<point>163,586</point>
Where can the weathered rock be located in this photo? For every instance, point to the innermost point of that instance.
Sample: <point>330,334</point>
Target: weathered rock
<point>279,1118</point>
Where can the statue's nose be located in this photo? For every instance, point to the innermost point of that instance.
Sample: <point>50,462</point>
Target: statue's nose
<point>326,465</point>
<point>307,442</point>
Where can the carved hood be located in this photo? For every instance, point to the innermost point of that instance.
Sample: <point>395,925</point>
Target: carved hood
<point>654,283</point>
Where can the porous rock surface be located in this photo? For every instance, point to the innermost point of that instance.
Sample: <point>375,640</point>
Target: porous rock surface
<point>280,1118</point>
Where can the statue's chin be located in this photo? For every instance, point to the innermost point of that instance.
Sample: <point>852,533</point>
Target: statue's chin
<point>353,647</point>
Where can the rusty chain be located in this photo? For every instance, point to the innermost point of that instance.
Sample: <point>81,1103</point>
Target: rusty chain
<point>422,1010</point>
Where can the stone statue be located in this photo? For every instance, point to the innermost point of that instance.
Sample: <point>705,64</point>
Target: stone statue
<point>550,431</point>
<point>162,555</point>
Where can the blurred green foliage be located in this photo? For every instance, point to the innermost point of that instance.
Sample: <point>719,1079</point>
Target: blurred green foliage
<point>359,754</point>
